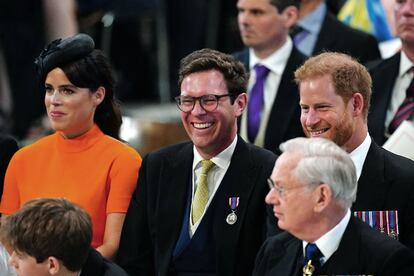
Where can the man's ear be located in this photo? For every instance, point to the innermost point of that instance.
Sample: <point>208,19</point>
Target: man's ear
<point>322,196</point>
<point>291,16</point>
<point>357,101</point>
<point>54,265</point>
<point>240,104</point>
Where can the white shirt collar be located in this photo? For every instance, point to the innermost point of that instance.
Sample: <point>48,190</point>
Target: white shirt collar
<point>405,64</point>
<point>221,160</point>
<point>329,242</point>
<point>359,154</point>
<point>276,61</point>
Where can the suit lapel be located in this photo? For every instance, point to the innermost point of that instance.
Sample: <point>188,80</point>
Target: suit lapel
<point>244,58</point>
<point>372,188</point>
<point>325,38</point>
<point>383,85</point>
<point>238,182</point>
<point>285,105</point>
<point>175,176</point>
<point>346,258</point>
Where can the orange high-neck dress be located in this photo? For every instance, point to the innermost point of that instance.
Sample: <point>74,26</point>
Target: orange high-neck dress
<point>95,171</point>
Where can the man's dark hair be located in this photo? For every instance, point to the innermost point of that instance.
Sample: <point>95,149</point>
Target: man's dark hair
<point>233,70</point>
<point>281,5</point>
<point>47,227</point>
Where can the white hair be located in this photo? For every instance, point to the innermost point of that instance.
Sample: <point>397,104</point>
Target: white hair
<point>325,162</point>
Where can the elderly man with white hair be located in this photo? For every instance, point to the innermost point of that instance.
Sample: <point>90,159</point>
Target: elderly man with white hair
<point>312,188</point>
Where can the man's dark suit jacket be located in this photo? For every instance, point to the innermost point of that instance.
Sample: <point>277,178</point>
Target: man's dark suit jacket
<point>96,265</point>
<point>155,215</point>
<point>387,183</point>
<point>384,75</point>
<point>8,146</point>
<point>362,251</point>
<point>284,119</point>
<point>335,36</point>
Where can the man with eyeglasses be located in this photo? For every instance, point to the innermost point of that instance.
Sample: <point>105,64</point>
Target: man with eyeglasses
<point>198,208</point>
<point>312,188</point>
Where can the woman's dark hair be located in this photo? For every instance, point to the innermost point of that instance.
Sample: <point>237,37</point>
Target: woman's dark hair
<point>85,67</point>
<point>93,71</point>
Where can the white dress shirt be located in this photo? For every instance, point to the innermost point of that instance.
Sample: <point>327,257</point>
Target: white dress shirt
<point>400,86</point>
<point>5,268</point>
<point>329,242</point>
<point>214,176</point>
<point>359,155</point>
<point>276,63</point>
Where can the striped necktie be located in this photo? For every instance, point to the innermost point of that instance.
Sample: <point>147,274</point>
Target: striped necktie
<point>201,195</point>
<point>405,110</point>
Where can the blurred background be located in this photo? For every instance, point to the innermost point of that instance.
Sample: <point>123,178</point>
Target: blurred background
<point>145,40</point>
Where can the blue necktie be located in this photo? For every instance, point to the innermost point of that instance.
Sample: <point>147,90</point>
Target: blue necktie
<point>256,102</point>
<point>312,259</point>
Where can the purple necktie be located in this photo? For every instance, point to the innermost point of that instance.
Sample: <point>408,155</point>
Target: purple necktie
<point>298,34</point>
<point>405,110</point>
<point>256,102</point>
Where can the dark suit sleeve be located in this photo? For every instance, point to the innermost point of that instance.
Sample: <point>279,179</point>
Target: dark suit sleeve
<point>135,253</point>
<point>400,263</point>
<point>8,147</point>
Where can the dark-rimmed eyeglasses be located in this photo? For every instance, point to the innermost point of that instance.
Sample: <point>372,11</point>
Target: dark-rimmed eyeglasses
<point>281,191</point>
<point>207,102</point>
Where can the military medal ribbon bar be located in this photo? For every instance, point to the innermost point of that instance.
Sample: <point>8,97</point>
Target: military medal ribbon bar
<point>384,221</point>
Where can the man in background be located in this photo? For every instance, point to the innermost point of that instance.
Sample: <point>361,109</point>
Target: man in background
<point>272,114</point>
<point>393,85</point>
<point>319,30</point>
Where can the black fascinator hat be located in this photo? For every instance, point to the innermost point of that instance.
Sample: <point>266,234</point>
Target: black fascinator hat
<point>62,51</point>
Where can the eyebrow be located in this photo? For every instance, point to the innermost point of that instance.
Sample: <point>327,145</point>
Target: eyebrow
<point>63,86</point>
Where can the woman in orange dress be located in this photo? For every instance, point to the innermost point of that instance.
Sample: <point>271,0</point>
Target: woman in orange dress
<point>84,160</point>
